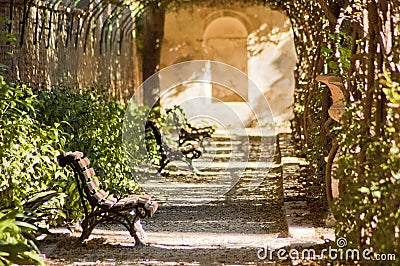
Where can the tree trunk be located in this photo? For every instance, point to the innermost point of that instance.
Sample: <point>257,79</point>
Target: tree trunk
<point>153,35</point>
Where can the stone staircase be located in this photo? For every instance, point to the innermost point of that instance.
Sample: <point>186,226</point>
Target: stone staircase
<point>230,166</point>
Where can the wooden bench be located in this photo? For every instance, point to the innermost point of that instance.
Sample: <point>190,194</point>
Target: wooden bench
<point>187,132</point>
<point>168,153</point>
<point>101,207</point>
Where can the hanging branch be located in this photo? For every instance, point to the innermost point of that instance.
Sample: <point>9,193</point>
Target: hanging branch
<point>99,9</point>
<point>36,26</point>
<point>120,28</point>
<point>87,14</point>
<point>26,10</point>
<point>107,24</point>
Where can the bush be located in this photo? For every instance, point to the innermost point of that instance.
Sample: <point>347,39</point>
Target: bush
<point>92,124</point>
<point>368,211</point>
<point>15,248</point>
<point>36,126</point>
<point>27,149</point>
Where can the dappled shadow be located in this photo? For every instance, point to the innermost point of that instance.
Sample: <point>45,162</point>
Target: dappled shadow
<point>229,229</point>
<point>257,217</point>
<point>98,252</point>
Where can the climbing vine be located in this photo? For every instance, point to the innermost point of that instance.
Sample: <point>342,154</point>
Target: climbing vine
<point>359,42</point>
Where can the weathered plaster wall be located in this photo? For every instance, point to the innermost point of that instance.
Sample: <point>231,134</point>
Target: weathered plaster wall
<point>255,39</point>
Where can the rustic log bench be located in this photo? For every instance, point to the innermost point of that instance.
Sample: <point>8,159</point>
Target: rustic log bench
<point>103,207</point>
<point>168,153</point>
<point>187,132</point>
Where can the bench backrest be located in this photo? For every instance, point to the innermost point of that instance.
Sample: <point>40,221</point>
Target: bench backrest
<point>178,117</point>
<point>87,178</point>
<point>97,197</point>
<point>183,125</point>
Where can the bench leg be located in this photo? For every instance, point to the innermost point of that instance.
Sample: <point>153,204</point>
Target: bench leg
<point>86,233</point>
<point>163,164</point>
<point>138,233</point>
<point>132,223</point>
<point>191,166</point>
<point>88,224</point>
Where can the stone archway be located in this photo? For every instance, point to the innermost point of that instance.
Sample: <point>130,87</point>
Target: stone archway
<point>227,37</point>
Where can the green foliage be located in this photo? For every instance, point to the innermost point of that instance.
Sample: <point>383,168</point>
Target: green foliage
<point>15,248</point>
<point>18,228</point>
<point>317,163</point>
<point>5,38</point>
<point>133,134</point>
<point>369,209</point>
<point>392,91</point>
<point>336,65</point>
<point>93,124</point>
<point>359,45</point>
<point>41,208</point>
<point>35,127</point>
<point>27,148</point>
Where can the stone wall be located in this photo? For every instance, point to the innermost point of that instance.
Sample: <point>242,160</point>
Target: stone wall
<point>58,44</point>
<point>254,39</point>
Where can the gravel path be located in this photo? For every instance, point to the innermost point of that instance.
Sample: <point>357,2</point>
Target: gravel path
<point>228,228</point>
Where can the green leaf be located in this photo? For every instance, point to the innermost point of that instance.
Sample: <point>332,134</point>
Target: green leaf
<point>14,248</point>
<point>396,175</point>
<point>25,225</point>
<point>376,194</point>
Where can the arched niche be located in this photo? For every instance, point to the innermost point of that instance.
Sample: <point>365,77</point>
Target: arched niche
<point>227,38</point>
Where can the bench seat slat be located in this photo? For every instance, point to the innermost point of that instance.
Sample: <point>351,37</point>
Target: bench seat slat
<point>110,202</point>
<point>131,202</point>
<point>83,163</point>
<point>144,199</point>
<point>88,173</point>
<point>153,208</point>
<point>99,195</point>
<point>126,203</point>
<point>119,204</point>
<point>93,184</point>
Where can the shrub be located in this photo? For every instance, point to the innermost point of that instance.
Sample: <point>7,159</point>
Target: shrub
<point>368,211</point>
<point>36,126</point>
<point>27,149</point>
<point>92,123</point>
<point>15,248</point>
